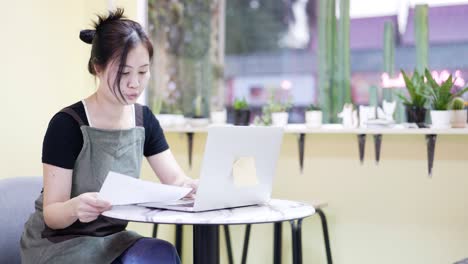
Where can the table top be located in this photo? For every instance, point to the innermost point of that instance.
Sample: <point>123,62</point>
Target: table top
<point>275,211</point>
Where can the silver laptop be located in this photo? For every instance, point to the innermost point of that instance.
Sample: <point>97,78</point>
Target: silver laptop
<point>237,170</point>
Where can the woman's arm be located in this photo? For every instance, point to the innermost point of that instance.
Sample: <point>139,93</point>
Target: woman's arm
<point>168,170</point>
<point>59,210</point>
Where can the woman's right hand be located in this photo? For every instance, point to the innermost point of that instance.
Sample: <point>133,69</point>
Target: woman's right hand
<point>88,207</point>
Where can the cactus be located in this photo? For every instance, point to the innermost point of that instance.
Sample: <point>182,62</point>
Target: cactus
<point>389,48</point>
<point>343,94</point>
<point>373,96</point>
<point>421,36</point>
<point>333,56</point>
<point>326,29</point>
<point>389,56</point>
<point>389,67</point>
<point>334,69</point>
<point>198,106</point>
<point>458,104</point>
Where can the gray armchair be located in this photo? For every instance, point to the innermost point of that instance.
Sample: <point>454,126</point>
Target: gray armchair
<point>17,197</point>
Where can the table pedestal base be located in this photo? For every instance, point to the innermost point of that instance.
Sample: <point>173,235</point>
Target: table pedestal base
<point>206,244</point>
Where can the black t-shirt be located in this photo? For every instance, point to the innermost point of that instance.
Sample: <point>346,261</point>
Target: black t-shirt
<point>63,140</point>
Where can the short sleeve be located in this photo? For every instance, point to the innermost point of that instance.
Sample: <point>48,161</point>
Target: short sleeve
<point>155,141</point>
<point>63,141</point>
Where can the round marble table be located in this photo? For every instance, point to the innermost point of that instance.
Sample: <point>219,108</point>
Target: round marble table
<point>205,224</point>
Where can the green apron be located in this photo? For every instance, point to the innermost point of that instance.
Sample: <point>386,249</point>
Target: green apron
<point>104,239</point>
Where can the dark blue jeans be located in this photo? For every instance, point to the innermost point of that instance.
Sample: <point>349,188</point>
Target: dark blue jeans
<point>149,250</point>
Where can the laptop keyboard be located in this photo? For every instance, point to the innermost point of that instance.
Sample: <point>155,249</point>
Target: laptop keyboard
<point>184,205</point>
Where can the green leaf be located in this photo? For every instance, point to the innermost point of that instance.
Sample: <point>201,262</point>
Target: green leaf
<point>447,85</point>
<point>403,98</point>
<point>409,85</point>
<point>415,87</point>
<point>461,92</point>
<point>429,78</point>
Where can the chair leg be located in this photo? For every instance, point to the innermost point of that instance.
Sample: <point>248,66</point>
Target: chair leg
<point>296,230</point>
<point>325,235</point>
<point>299,241</point>
<point>278,229</point>
<point>178,240</point>
<point>246,244</point>
<point>227,236</point>
<point>155,230</point>
<point>294,241</point>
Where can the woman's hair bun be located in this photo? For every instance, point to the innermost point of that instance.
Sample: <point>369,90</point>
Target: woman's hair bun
<point>111,16</point>
<point>87,35</point>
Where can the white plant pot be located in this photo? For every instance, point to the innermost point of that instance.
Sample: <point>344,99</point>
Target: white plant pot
<point>280,118</point>
<point>458,118</point>
<point>170,120</point>
<point>199,122</point>
<point>313,118</point>
<point>218,117</point>
<point>179,120</point>
<point>165,120</point>
<point>440,119</point>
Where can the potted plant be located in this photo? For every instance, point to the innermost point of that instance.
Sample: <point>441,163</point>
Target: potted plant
<point>178,119</point>
<point>440,97</point>
<point>163,119</point>
<point>198,119</point>
<point>168,114</point>
<point>274,113</point>
<point>415,103</point>
<point>313,116</point>
<point>458,115</point>
<point>218,114</point>
<point>241,112</point>
<point>279,114</point>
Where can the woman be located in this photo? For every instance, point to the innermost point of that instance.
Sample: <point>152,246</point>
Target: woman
<point>105,132</point>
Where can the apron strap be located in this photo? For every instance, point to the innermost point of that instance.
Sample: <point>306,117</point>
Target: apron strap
<point>138,115</point>
<point>73,114</point>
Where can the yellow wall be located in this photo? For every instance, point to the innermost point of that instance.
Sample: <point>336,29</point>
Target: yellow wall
<point>387,213</point>
<point>44,69</point>
<point>390,213</point>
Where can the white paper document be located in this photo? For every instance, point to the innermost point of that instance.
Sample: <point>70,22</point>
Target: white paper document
<point>119,189</point>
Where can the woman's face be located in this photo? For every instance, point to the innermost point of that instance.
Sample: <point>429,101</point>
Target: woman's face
<point>135,75</point>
